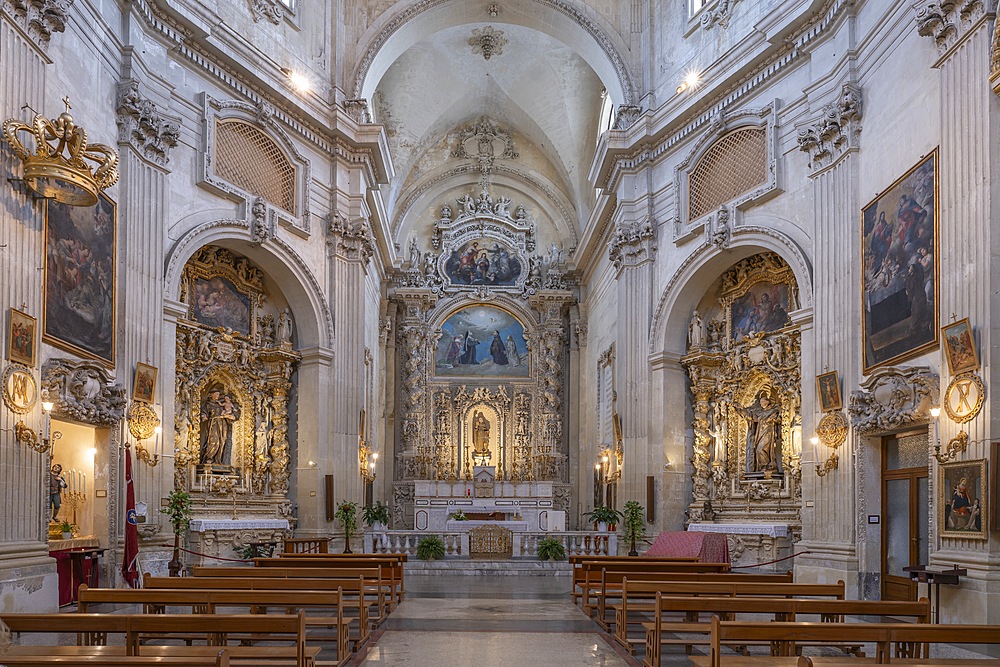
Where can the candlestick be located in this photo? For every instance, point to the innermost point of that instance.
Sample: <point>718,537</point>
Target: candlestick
<point>84,483</point>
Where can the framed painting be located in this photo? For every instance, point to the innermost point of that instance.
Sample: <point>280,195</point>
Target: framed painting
<point>964,500</point>
<point>22,338</point>
<point>828,387</point>
<point>218,302</point>
<point>899,268</point>
<point>960,347</point>
<point>995,486</point>
<point>483,261</point>
<point>762,309</point>
<point>144,383</point>
<point>79,313</point>
<point>482,341</point>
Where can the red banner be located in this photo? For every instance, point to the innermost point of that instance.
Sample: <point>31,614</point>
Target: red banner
<point>130,561</point>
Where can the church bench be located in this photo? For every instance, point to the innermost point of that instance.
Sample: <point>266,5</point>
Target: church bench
<point>401,557</point>
<point>349,594</point>
<point>380,579</point>
<point>217,658</point>
<point>576,562</point>
<point>639,597</point>
<point>816,661</point>
<point>592,573</point>
<point>392,566</point>
<point>304,545</point>
<point>782,609</point>
<point>272,656</point>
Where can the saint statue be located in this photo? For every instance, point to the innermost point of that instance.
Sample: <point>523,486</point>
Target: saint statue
<point>696,332</point>
<point>56,484</point>
<point>285,326</point>
<point>481,435</point>
<point>218,412</point>
<point>763,434</point>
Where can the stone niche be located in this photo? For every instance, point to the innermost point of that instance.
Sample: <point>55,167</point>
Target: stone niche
<point>743,362</point>
<point>235,357</point>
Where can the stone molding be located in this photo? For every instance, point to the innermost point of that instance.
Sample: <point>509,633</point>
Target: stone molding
<point>83,391</point>
<point>947,22</point>
<point>718,14</point>
<point>39,18</point>
<point>141,125</point>
<point>894,397</point>
<point>835,133</point>
<point>358,110</point>
<point>634,244</point>
<point>272,10</point>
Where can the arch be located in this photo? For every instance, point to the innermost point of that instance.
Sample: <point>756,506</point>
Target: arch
<point>703,266</point>
<point>596,42</point>
<point>313,320</point>
<point>449,307</point>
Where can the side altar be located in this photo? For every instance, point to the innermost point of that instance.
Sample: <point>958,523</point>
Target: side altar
<point>517,506</point>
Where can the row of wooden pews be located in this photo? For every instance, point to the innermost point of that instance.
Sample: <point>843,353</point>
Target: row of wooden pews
<point>281,612</point>
<point>654,602</point>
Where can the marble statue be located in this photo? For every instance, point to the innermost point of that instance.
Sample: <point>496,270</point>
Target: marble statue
<point>414,251</point>
<point>285,326</point>
<point>696,332</point>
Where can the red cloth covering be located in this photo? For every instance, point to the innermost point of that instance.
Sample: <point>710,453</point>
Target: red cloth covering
<point>130,569</point>
<point>69,576</point>
<point>707,547</point>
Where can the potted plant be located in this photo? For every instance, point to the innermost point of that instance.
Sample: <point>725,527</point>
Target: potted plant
<point>67,530</point>
<point>347,515</point>
<point>180,512</point>
<point>635,524</point>
<point>376,516</point>
<point>604,517</point>
<point>551,549</point>
<point>430,548</point>
<point>458,515</point>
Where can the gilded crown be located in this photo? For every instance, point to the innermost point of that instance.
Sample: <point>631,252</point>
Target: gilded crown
<point>58,168</point>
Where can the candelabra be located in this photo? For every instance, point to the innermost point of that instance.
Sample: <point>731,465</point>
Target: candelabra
<point>74,499</point>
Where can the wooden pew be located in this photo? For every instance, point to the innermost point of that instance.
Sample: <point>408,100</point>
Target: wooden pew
<point>392,565</point>
<point>782,609</point>
<point>93,629</point>
<point>577,561</point>
<point>208,601</point>
<point>639,597</point>
<point>53,656</point>
<point>593,572</point>
<point>401,557</point>
<point>304,545</point>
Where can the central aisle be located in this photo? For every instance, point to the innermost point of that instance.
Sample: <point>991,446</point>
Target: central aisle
<point>489,621</point>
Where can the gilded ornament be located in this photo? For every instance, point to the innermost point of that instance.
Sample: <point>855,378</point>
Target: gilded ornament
<point>832,429</point>
<point>142,421</point>
<point>831,464</point>
<point>20,392</point>
<point>67,178</point>
<point>956,446</point>
<point>963,399</point>
<point>27,436</point>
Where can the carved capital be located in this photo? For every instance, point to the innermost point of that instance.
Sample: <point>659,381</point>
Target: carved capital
<point>83,391</point>
<point>272,10</point>
<point>358,110</point>
<point>947,21</point>
<point>893,398</point>
<point>141,126</point>
<point>39,18</point>
<point>627,116</point>
<point>350,240</point>
<point>834,133</point>
<point>718,15</point>
<point>634,244</point>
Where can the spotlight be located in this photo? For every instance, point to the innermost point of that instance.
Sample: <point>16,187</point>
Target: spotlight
<point>691,80</point>
<point>300,82</point>
<point>935,412</point>
<point>814,440</point>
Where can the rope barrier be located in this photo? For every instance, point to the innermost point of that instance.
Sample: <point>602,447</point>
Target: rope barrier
<point>229,560</point>
<point>770,562</point>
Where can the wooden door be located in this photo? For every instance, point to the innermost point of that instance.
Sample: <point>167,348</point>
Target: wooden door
<point>905,507</point>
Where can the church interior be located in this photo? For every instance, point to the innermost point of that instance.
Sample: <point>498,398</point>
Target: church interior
<point>526,319</point>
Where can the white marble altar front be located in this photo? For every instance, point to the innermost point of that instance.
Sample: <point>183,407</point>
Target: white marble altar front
<point>525,505</point>
<point>756,545</point>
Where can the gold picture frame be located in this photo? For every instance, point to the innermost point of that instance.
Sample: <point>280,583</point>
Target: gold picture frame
<point>900,269</point>
<point>963,499</point>
<point>144,382</point>
<point>960,347</point>
<point>828,389</point>
<point>22,338</point>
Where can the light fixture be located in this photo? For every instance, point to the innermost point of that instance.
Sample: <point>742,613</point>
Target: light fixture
<point>597,466</point>
<point>691,80</point>
<point>157,430</point>
<point>48,405</point>
<point>814,440</point>
<point>935,412</point>
<point>300,82</point>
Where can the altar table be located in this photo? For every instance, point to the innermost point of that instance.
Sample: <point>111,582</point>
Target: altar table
<point>707,547</point>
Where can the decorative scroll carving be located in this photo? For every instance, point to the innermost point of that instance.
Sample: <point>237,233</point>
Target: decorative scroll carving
<point>893,398</point>
<point>40,18</point>
<point>142,421</point>
<point>487,42</point>
<point>947,21</point>
<point>484,141</point>
<point>261,226</point>
<point>837,131</point>
<point>628,115</point>
<point>718,14</point>
<point>634,244</point>
<point>358,110</point>
<point>272,10</point>
<point>141,125</point>
<point>350,240</point>
<point>83,391</point>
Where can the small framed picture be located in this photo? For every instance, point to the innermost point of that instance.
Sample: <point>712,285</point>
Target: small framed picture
<point>22,336</point>
<point>964,500</point>
<point>828,386</point>
<point>144,384</point>
<point>960,347</point>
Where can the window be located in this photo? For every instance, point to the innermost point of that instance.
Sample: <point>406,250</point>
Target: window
<point>736,163</point>
<point>607,115</point>
<point>252,161</point>
<point>290,4</point>
<point>698,5</point>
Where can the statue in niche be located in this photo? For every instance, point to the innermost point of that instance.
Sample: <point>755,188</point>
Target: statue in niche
<point>56,484</point>
<point>218,413</point>
<point>696,332</point>
<point>414,254</point>
<point>763,443</point>
<point>285,327</point>
<point>480,438</point>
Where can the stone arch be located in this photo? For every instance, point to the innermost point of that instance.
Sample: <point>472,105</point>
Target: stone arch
<point>702,267</point>
<point>595,40</point>
<point>313,320</point>
<point>449,307</point>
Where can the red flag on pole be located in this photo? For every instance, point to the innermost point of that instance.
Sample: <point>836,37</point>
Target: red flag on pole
<point>130,565</point>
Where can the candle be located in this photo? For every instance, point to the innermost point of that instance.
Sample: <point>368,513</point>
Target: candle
<point>84,483</point>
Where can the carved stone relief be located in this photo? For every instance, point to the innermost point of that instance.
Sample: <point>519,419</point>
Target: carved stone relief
<point>947,21</point>
<point>634,244</point>
<point>272,10</point>
<point>83,391</point>
<point>837,130</point>
<point>40,18</point>
<point>894,397</point>
<point>350,240</point>
<point>141,125</point>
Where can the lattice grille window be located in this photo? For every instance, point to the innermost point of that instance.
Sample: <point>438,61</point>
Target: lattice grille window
<point>734,164</point>
<point>252,161</point>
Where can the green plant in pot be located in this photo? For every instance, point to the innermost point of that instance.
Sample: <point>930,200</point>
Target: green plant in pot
<point>67,530</point>
<point>458,515</point>
<point>635,524</point>
<point>551,549</point>
<point>430,548</point>
<point>605,517</point>
<point>180,512</point>
<point>376,516</point>
<point>347,515</point>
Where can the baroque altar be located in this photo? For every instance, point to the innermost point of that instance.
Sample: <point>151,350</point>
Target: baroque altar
<point>744,367</point>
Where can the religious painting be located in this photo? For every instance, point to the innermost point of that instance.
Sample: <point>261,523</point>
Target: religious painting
<point>899,270</point>
<point>963,500</point>
<point>217,303</point>
<point>828,386</point>
<point>483,261</point>
<point>22,334</point>
<point>762,309</point>
<point>960,347</point>
<point>995,486</point>
<point>144,383</point>
<point>79,314</point>
<point>482,341</point>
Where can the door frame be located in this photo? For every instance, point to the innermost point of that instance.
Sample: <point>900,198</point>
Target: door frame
<point>916,513</point>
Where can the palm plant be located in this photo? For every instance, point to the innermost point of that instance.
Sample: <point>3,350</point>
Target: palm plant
<point>179,509</point>
<point>635,524</point>
<point>347,514</point>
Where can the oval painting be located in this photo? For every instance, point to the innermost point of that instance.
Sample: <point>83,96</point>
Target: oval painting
<point>482,341</point>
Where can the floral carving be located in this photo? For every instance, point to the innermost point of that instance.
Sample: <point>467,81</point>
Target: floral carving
<point>892,398</point>
<point>837,130</point>
<point>141,125</point>
<point>83,391</point>
<point>947,21</point>
<point>634,244</point>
